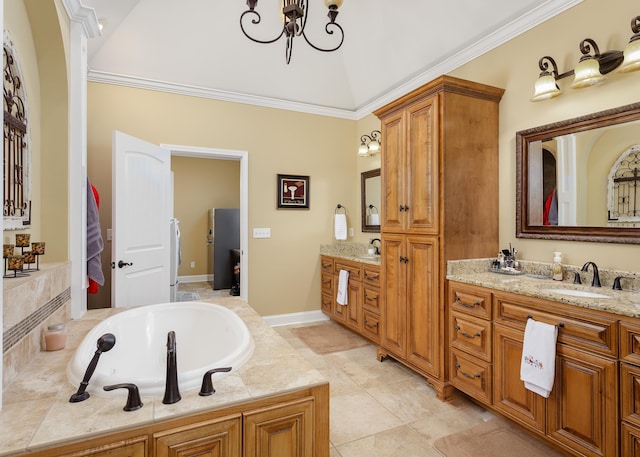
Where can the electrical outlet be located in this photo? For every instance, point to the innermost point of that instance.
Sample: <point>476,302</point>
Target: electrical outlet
<point>262,232</point>
<point>193,264</point>
<point>351,233</point>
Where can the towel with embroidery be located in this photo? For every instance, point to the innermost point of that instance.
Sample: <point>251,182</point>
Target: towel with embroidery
<point>537,369</point>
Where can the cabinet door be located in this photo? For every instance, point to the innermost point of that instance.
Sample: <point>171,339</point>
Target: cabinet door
<point>630,441</point>
<point>280,431</point>
<point>423,327</point>
<point>393,192</point>
<point>630,393</point>
<point>214,438</point>
<point>135,447</point>
<point>583,406</point>
<point>509,394</point>
<point>354,306</point>
<point>393,291</point>
<point>421,167</point>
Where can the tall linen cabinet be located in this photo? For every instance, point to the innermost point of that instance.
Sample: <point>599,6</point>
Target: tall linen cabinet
<point>439,202</point>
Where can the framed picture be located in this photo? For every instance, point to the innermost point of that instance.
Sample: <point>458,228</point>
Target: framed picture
<point>293,192</point>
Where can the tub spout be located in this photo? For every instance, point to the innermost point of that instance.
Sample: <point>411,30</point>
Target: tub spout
<point>171,390</point>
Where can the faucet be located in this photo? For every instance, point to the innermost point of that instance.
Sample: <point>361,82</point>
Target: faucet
<point>171,391</point>
<point>596,276</point>
<point>376,247</point>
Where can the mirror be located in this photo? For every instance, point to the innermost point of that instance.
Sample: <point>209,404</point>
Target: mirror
<point>579,179</point>
<point>371,196</point>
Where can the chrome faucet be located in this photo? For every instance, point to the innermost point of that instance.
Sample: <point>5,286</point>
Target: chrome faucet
<point>376,247</point>
<point>596,276</point>
<point>171,390</point>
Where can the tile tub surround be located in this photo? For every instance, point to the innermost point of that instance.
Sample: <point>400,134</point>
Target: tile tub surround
<point>537,278</point>
<point>36,412</point>
<point>30,304</point>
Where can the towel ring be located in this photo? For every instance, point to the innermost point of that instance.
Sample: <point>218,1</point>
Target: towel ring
<point>340,207</point>
<point>371,208</point>
<point>560,324</point>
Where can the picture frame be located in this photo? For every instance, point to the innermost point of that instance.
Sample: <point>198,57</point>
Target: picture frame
<point>293,191</point>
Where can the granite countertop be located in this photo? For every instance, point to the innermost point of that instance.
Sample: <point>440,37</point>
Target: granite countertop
<point>36,412</point>
<point>536,282</point>
<point>355,252</point>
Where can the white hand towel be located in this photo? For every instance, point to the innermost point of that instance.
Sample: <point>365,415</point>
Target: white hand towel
<point>374,219</point>
<point>539,357</point>
<point>343,282</point>
<point>340,226</point>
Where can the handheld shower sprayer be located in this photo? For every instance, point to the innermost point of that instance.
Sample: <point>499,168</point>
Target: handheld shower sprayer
<point>105,343</point>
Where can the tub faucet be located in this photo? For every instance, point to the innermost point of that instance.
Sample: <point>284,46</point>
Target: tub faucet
<point>377,248</point>
<point>171,390</point>
<point>596,276</point>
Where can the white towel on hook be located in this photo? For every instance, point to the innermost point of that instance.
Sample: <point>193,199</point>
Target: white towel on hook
<point>539,357</point>
<point>343,284</point>
<point>340,226</point>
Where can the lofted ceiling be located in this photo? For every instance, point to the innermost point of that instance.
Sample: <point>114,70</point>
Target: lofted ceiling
<point>390,47</point>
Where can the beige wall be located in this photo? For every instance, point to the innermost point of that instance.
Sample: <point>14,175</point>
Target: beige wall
<point>514,67</point>
<point>283,270</point>
<point>199,185</point>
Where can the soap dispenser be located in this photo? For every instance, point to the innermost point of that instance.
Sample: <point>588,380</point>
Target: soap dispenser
<point>556,268</point>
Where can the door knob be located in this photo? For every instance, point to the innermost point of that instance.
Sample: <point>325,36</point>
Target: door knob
<point>122,264</point>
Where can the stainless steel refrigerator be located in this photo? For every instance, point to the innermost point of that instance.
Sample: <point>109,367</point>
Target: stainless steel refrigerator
<point>223,239</point>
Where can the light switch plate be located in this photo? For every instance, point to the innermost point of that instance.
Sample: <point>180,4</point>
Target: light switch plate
<point>262,232</point>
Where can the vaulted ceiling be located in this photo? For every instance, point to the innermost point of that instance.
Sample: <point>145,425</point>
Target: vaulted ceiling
<point>390,47</point>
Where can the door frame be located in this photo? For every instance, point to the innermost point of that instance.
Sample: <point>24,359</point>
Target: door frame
<point>243,158</point>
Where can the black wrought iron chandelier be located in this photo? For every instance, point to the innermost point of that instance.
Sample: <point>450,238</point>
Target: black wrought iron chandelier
<point>295,14</point>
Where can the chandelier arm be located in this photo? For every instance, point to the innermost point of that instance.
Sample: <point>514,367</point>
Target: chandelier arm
<point>329,32</point>
<point>257,21</point>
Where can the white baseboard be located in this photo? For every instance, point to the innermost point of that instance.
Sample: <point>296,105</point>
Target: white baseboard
<point>195,278</point>
<point>305,317</point>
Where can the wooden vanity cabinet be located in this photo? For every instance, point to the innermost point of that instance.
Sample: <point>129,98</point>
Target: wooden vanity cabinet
<point>581,413</point>
<point>630,388</point>
<point>439,169</point>
<point>362,311</point>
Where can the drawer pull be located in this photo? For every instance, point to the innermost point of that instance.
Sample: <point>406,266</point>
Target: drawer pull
<point>559,324</point>
<point>467,335</point>
<point>467,305</point>
<point>467,375</point>
<point>374,276</point>
<point>366,322</point>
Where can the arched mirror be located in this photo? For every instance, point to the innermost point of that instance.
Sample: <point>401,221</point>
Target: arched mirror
<point>370,192</point>
<point>579,179</point>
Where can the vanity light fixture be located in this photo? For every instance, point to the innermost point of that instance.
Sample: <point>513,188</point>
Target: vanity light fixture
<point>591,69</point>
<point>370,144</point>
<point>294,16</point>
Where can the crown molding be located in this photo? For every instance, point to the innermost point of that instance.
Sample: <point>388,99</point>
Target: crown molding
<point>518,26</point>
<point>84,15</point>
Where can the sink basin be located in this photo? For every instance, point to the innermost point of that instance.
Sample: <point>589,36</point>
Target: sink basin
<point>576,293</point>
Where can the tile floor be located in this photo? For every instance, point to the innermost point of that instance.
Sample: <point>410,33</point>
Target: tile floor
<point>378,409</point>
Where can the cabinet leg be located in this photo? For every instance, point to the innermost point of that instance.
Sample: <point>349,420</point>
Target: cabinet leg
<point>381,354</point>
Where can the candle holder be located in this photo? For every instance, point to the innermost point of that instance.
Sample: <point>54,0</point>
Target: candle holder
<point>7,250</point>
<point>29,259</point>
<point>16,264</point>
<point>37,249</point>
<point>22,241</point>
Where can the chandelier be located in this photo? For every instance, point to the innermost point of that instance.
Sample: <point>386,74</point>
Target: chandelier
<point>294,14</point>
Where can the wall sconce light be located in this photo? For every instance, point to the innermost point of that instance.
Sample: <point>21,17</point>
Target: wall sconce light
<point>370,144</point>
<point>294,14</point>
<point>591,69</point>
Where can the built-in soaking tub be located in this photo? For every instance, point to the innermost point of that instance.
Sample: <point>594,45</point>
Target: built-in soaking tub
<point>207,336</point>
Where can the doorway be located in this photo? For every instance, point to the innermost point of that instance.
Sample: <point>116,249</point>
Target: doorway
<point>242,157</point>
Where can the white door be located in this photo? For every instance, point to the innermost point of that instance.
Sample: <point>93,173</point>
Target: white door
<point>141,215</point>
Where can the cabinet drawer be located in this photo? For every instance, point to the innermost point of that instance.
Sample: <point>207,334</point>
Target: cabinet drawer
<point>630,342</point>
<point>326,304</point>
<point>470,300</point>
<point>630,393</point>
<point>371,327</point>
<point>353,269</point>
<point>371,275</point>
<point>630,441</point>
<point>327,280</point>
<point>471,335</point>
<point>471,375</point>
<point>576,329</point>
<point>326,264</point>
<point>372,299</point>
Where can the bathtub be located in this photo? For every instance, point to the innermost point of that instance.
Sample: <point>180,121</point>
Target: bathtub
<point>207,336</point>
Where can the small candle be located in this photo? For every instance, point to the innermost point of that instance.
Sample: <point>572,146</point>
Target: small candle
<point>55,337</point>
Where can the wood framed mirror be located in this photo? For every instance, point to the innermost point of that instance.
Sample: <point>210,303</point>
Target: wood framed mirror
<point>579,179</point>
<point>371,197</point>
